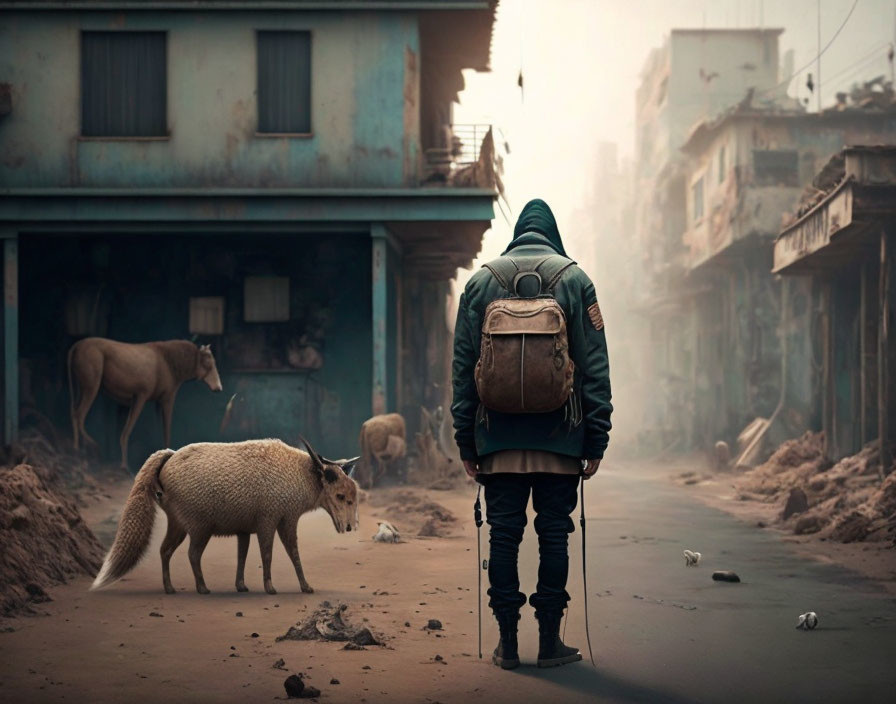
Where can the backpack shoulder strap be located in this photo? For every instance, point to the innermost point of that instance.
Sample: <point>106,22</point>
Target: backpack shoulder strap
<point>551,270</point>
<point>503,269</point>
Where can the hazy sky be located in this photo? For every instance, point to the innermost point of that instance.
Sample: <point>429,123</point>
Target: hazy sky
<point>581,60</point>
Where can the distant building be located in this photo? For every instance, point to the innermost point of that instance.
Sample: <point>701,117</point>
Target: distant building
<point>277,179</point>
<point>696,74</point>
<point>842,240</point>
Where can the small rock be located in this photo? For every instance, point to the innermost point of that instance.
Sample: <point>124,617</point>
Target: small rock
<point>239,613</point>
<point>334,681</point>
<point>156,614</point>
<point>365,637</point>
<point>407,624</point>
<point>280,664</point>
<point>796,503</point>
<point>433,625</point>
<point>294,686</point>
<point>254,635</point>
<point>310,692</point>
<point>438,658</point>
<point>366,667</point>
<point>725,576</point>
<point>353,646</point>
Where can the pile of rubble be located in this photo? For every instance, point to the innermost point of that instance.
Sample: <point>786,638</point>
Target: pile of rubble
<point>845,501</point>
<point>330,622</point>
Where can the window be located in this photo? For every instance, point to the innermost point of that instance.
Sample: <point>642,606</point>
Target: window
<point>284,82</point>
<point>775,167</point>
<point>207,315</point>
<point>722,165</point>
<point>123,84</point>
<point>698,199</point>
<point>266,299</point>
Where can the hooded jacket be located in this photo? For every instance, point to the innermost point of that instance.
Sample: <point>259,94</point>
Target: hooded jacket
<point>480,431</point>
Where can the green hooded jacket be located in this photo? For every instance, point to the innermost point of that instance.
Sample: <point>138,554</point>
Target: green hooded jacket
<point>480,431</point>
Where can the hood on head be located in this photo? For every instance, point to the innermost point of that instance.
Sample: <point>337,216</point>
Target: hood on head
<point>536,225</point>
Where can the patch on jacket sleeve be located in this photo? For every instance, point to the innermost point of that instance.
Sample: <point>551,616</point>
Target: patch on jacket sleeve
<point>597,320</point>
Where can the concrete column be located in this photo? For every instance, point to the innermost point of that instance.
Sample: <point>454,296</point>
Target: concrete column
<point>10,337</point>
<point>379,276</point>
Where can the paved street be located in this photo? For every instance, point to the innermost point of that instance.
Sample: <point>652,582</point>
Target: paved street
<point>661,631</point>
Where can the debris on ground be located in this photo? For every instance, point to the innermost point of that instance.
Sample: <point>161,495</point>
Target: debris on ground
<point>279,664</point>
<point>297,689</point>
<point>725,576</point>
<point>808,621</point>
<point>433,625</point>
<point>331,623</point>
<point>844,501</point>
<point>45,540</point>
<point>387,533</point>
<point>421,516</point>
<point>691,558</point>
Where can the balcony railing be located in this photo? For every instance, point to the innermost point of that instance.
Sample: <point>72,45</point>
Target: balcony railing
<point>474,157</point>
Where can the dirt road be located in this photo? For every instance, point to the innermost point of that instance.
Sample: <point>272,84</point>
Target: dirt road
<point>660,631</point>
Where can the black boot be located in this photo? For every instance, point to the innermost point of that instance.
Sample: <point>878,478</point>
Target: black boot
<point>506,655</point>
<point>551,651</point>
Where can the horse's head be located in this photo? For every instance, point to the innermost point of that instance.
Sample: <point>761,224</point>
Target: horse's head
<point>207,370</point>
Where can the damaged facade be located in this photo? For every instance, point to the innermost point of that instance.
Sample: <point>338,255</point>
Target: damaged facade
<point>841,243</point>
<point>734,349</point>
<point>256,192</point>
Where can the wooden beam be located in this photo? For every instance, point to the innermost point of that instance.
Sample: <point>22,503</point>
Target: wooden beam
<point>10,339</point>
<point>379,275</point>
<point>827,374</point>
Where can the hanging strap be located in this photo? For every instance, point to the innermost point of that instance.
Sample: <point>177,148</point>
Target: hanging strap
<point>477,516</point>
<point>584,570</point>
<point>549,267</point>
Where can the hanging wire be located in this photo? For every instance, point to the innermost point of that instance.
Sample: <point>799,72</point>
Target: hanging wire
<point>821,52</point>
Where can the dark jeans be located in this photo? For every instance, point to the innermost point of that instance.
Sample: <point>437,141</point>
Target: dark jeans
<point>506,498</point>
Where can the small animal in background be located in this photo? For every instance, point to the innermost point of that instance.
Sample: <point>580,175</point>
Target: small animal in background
<point>808,621</point>
<point>691,559</point>
<point>387,533</point>
<point>383,444</point>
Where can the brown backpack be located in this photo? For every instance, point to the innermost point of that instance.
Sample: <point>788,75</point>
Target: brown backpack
<point>524,364</point>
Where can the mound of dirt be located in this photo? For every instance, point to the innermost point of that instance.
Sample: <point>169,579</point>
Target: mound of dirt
<point>330,622</point>
<point>45,541</point>
<point>845,501</point>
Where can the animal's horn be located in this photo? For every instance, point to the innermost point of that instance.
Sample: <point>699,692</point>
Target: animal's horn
<point>314,456</point>
<point>348,466</point>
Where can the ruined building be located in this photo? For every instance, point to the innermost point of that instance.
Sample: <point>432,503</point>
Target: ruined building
<point>840,246</point>
<point>696,73</point>
<point>280,180</point>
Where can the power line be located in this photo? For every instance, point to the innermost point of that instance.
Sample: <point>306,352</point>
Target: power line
<point>816,58</point>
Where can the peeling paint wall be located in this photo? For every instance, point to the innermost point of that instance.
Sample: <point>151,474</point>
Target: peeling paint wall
<point>364,92</point>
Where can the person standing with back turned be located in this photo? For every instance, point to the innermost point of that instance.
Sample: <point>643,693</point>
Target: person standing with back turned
<point>531,414</point>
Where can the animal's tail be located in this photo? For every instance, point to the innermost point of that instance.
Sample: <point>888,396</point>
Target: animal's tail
<point>135,526</point>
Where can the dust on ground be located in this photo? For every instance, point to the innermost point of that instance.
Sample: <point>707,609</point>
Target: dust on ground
<point>413,512</point>
<point>837,511</point>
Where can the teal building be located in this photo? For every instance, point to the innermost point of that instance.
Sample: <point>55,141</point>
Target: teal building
<point>275,179</point>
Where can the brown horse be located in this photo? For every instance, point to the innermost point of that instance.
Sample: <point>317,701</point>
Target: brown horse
<point>133,375</point>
